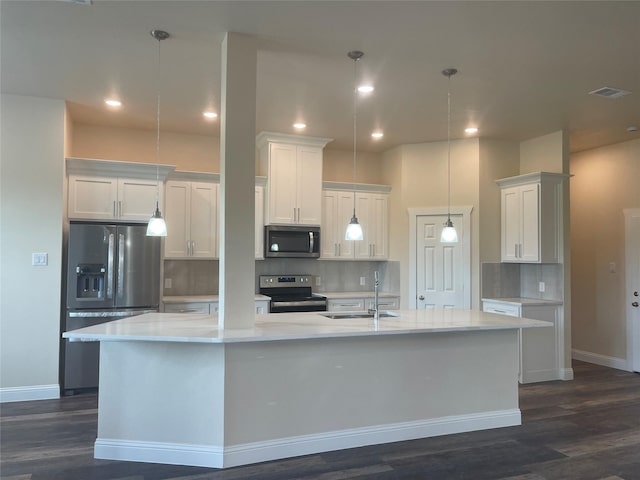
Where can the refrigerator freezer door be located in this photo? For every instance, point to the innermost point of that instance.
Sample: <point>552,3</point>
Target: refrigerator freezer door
<point>91,267</point>
<point>137,267</point>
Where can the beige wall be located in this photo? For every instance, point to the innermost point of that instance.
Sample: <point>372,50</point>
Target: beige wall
<point>197,153</point>
<point>418,176</point>
<point>543,154</point>
<point>338,167</point>
<point>31,206</point>
<point>606,181</point>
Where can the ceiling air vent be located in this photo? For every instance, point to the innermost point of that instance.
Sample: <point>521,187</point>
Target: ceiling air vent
<point>609,92</point>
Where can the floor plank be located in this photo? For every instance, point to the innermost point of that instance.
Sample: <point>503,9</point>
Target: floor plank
<point>585,429</point>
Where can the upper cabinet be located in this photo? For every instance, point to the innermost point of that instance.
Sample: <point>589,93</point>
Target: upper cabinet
<point>372,210</point>
<point>531,217</point>
<point>191,215</point>
<point>293,166</point>
<point>110,190</point>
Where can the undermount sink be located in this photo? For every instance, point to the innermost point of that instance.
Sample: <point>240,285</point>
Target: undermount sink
<point>334,315</point>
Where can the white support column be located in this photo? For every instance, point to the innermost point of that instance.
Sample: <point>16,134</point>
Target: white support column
<point>237,181</point>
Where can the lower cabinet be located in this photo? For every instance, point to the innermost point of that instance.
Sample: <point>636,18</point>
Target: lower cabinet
<point>538,347</point>
<point>357,304</point>
<point>210,308</point>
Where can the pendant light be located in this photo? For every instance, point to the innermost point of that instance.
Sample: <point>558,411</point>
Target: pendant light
<point>157,226</point>
<point>449,234</point>
<point>354,229</point>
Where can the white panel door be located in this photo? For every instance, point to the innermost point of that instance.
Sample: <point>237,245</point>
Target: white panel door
<point>204,220</point>
<point>282,184</point>
<point>177,217</point>
<point>309,185</point>
<point>137,198</point>
<point>440,275</point>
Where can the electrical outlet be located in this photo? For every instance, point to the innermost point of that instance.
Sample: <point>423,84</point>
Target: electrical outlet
<point>541,287</point>
<point>612,267</point>
<point>167,283</point>
<point>40,259</point>
<point>363,281</point>
<point>318,281</point>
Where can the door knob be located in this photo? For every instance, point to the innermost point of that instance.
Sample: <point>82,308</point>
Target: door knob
<point>421,297</point>
<point>635,294</point>
<point>635,304</point>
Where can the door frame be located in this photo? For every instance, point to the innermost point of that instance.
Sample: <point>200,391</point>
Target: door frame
<point>414,213</point>
<point>631,276</point>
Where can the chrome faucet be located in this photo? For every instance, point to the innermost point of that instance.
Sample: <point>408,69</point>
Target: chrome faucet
<point>376,283</point>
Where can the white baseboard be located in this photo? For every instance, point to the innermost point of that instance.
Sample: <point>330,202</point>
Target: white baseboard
<point>604,360</point>
<point>235,455</point>
<point>32,392</point>
<point>533,376</point>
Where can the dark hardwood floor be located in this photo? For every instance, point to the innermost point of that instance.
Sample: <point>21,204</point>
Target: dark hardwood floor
<point>586,429</point>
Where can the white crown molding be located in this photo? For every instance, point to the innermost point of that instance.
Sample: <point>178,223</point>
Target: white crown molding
<point>266,137</point>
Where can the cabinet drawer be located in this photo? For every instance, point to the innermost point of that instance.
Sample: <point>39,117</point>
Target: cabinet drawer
<point>346,305</point>
<point>186,308</point>
<point>386,303</point>
<point>502,308</point>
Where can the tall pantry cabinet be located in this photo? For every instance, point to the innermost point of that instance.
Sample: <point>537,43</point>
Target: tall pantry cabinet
<point>293,166</point>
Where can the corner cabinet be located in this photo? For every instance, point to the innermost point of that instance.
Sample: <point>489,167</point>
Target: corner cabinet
<point>293,166</point>
<point>372,210</point>
<point>531,218</point>
<point>112,190</point>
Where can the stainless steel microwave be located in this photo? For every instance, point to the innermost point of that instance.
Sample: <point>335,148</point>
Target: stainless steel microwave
<point>282,241</point>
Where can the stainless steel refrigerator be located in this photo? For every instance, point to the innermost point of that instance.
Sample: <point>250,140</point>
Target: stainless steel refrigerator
<point>113,272</point>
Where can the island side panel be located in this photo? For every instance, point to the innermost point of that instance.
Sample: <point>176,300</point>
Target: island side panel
<point>288,398</point>
<point>161,402</point>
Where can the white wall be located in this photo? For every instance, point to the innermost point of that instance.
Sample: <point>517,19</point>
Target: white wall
<point>31,212</point>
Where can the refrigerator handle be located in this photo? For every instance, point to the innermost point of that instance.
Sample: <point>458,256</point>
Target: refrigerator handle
<point>110,267</point>
<point>120,265</point>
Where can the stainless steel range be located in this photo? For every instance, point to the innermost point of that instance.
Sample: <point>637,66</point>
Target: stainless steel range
<point>291,293</point>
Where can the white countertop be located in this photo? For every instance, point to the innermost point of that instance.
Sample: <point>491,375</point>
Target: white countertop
<point>368,294</point>
<point>201,298</point>
<point>200,328</point>
<point>522,301</point>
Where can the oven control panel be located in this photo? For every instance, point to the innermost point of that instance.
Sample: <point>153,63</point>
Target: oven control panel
<point>279,281</point>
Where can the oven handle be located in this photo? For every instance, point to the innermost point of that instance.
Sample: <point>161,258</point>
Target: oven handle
<point>311,239</point>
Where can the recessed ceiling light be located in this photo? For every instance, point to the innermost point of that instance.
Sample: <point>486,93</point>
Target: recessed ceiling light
<point>112,102</point>
<point>365,89</point>
<point>210,114</point>
<point>377,134</point>
<point>299,126</point>
<point>471,130</point>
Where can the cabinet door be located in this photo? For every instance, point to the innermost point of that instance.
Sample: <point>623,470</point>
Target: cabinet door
<point>384,303</point>
<point>538,346</point>
<point>378,226</point>
<point>187,307</point>
<point>282,179</point>
<point>364,208</point>
<point>529,223</point>
<point>214,308</point>
<point>204,220</point>
<point>177,216</point>
<point>510,210</point>
<point>259,232</point>
<point>262,306</point>
<point>137,198</point>
<point>309,185</point>
<point>92,198</point>
<point>329,227</point>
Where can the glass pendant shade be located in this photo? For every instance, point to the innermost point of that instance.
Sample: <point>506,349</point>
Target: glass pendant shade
<point>157,227</point>
<point>354,229</point>
<point>449,234</point>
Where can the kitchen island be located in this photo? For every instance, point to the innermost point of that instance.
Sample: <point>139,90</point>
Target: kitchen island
<point>176,389</point>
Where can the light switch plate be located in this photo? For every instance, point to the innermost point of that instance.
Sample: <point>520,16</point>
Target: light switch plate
<point>363,281</point>
<point>541,287</point>
<point>167,283</point>
<point>40,259</point>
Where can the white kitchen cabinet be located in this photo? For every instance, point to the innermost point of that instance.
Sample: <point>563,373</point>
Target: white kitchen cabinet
<point>259,230</point>
<point>538,347</point>
<point>191,215</point>
<point>187,307</point>
<point>262,306</point>
<point>112,198</point>
<point>372,210</point>
<point>531,212</point>
<point>112,190</point>
<point>293,166</point>
<point>362,303</point>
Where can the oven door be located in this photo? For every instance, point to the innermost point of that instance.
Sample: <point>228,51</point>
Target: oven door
<point>314,305</point>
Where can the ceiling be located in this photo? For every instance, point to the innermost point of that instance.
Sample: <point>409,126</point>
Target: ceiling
<point>525,68</point>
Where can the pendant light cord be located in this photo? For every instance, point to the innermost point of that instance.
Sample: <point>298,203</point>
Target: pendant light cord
<point>158,128</point>
<point>355,116</point>
<point>449,148</point>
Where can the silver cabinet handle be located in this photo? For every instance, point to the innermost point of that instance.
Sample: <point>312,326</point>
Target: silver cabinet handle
<point>335,249</point>
<point>114,209</point>
<point>193,248</point>
<point>421,297</point>
<point>339,249</point>
<point>298,214</point>
<point>515,250</point>
<point>119,208</point>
